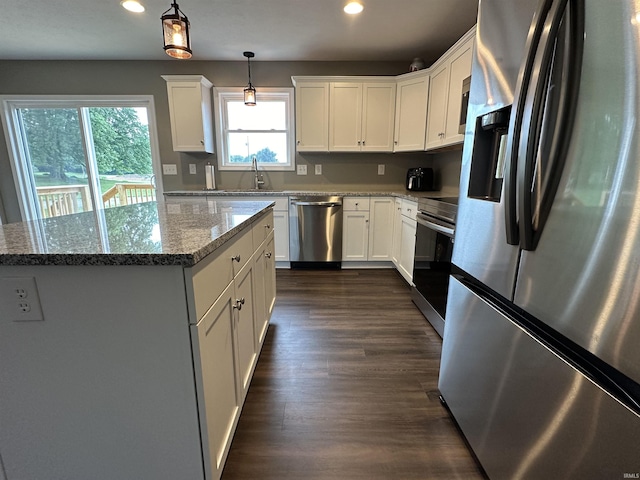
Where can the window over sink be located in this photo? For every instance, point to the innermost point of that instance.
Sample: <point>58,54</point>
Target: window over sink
<point>264,130</point>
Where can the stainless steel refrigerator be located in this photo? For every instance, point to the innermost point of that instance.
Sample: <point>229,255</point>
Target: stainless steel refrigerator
<point>541,351</point>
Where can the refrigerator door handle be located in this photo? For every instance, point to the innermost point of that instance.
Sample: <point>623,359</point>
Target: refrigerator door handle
<point>549,117</point>
<point>515,124</point>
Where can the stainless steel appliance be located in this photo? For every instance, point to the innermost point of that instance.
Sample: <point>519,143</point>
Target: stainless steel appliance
<point>420,179</point>
<point>432,261</point>
<point>541,359</point>
<point>315,231</point>
<point>464,104</point>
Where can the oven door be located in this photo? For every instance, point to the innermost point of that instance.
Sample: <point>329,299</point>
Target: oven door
<point>432,267</point>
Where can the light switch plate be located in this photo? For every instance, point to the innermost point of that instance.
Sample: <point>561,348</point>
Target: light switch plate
<point>192,168</point>
<point>381,169</point>
<point>170,169</point>
<point>318,170</point>
<point>301,169</point>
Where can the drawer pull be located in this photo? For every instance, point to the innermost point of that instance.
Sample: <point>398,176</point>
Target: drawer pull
<point>239,303</point>
<point>236,258</point>
<point>267,226</point>
<point>268,254</point>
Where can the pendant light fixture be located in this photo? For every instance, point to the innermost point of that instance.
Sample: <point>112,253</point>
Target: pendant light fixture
<point>249,92</point>
<point>175,29</point>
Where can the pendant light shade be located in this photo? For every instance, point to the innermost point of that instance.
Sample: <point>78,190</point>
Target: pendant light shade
<point>249,92</point>
<point>175,29</point>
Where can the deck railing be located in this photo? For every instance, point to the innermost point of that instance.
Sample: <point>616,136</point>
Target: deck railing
<point>65,199</point>
<point>128,194</point>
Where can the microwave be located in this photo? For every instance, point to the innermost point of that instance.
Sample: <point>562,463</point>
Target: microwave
<point>466,87</point>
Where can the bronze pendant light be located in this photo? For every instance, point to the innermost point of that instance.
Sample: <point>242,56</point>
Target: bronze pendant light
<point>250,91</point>
<point>175,29</point>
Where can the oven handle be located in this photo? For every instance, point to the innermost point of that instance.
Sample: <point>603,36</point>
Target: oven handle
<point>435,224</point>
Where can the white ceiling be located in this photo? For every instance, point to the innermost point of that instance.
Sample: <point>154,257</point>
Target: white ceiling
<point>276,30</point>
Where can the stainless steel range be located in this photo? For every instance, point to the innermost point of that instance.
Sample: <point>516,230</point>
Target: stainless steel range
<point>432,262</point>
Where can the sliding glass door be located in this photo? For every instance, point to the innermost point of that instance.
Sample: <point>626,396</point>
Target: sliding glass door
<point>73,156</point>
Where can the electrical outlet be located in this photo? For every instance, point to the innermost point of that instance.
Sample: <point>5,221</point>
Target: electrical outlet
<point>19,300</point>
<point>192,168</point>
<point>301,170</point>
<point>318,170</point>
<point>381,169</point>
<point>170,169</point>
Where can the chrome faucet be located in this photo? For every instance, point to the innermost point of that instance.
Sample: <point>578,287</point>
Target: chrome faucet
<point>257,180</point>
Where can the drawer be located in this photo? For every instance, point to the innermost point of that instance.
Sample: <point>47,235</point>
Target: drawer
<point>356,204</point>
<point>409,208</point>
<point>261,229</point>
<point>213,274</point>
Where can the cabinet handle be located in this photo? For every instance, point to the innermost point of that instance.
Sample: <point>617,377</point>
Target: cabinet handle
<point>236,258</point>
<point>239,303</point>
<point>267,226</point>
<point>362,142</point>
<point>201,142</point>
<point>268,254</point>
<point>298,142</point>
<point>395,141</point>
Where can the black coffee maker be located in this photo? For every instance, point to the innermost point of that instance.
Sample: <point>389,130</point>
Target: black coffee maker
<point>420,179</point>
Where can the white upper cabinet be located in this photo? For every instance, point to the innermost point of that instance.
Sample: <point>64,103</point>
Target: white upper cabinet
<point>190,113</point>
<point>411,112</point>
<point>361,116</point>
<point>445,94</point>
<point>312,116</point>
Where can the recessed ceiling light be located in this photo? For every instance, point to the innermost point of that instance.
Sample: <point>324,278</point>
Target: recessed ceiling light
<point>132,6</point>
<point>353,7</point>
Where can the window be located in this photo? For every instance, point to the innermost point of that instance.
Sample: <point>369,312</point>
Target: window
<point>72,154</point>
<point>262,131</point>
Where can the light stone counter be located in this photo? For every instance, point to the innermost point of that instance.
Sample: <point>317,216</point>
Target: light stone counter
<point>176,231</point>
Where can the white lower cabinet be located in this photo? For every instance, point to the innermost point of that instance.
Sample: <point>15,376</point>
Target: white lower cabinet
<point>355,235</point>
<point>404,237</point>
<point>228,338</point>
<point>367,229</point>
<point>380,228</point>
<point>280,223</point>
<point>214,360</point>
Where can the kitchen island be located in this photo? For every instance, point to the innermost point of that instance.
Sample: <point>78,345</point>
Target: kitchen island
<point>129,336</point>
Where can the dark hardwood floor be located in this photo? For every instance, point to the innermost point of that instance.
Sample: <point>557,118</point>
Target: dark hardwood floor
<point>346,387</point>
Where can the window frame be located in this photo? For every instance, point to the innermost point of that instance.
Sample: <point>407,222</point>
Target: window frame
<point>223,94</point>
<point>22,176</point>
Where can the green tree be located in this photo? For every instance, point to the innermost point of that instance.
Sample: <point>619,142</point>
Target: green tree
<point>53,139</point>
<point>120,141</point>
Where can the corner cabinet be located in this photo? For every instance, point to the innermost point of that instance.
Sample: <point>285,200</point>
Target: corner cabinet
<point>445,94</point>
<point>190,113</point>
<point>404,237</point>
<point>312,116</point>
<point>412,91</point>
<point>361,116</point>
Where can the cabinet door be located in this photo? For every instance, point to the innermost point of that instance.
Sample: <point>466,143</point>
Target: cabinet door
<point>397,232</point>
<point>459,69</point>
<point>378,115</point>
<point>411,114</point>
<point>407,248</point>
<point>259,290</point>
<point>214,362</point>
<point>438,88</point>
<point>381,228</point>
<point>191,116</point>
<point>355,237</point>
<point>269,280</point>
<point>281,231</point>
<point>345,117</point>
<point>245,328</point>
<point>312,116</point>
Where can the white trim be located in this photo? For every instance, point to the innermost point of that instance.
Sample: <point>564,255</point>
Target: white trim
<point>22,177</point>
<point>262,94</point>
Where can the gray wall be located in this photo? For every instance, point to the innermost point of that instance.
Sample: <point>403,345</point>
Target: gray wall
<point>340,171</point>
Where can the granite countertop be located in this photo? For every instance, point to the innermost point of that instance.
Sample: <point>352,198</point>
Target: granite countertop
<point>176,231</point>
<point>408,194</point>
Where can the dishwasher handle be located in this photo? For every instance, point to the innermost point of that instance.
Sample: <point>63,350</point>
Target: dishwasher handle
<point>316,204</point>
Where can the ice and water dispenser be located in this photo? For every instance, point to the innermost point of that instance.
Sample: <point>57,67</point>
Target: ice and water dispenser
<point>489,155</point>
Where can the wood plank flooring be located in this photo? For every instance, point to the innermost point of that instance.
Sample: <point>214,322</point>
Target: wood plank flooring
<point>346,387</point>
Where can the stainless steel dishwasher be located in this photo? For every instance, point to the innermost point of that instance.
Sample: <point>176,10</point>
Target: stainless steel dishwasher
<point>315,231</point>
